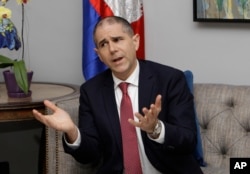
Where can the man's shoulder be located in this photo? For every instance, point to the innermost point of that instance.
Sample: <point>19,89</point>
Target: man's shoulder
<point>98,80</point>
<point>157,67</point>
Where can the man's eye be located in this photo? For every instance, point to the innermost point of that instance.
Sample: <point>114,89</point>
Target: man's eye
<point>103,44</point>
<point>117,39</point>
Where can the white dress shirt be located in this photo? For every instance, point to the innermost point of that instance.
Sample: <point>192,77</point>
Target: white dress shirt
<point>133,81</point>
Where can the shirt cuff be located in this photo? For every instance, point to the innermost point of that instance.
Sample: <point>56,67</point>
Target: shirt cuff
<point>161,137</point>
<point>75,144</point>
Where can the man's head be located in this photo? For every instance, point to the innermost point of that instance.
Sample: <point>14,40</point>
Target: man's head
<point>116,45</point>
<point>112,20</point>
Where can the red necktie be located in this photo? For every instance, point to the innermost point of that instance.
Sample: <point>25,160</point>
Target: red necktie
<point>131,157</point>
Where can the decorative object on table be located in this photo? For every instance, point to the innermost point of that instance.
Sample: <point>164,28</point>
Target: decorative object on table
<point>17,79</point>
<point>221,11</point>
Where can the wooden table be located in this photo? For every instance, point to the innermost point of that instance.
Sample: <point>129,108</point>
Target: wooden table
<point>18,109</point>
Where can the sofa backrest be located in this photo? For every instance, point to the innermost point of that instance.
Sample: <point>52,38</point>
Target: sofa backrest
<point>223,112</point>
<point>224,116</point>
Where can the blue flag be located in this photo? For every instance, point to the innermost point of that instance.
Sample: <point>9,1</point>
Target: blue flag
<point>93,11</point>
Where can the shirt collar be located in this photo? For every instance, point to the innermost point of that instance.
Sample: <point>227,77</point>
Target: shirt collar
<point>132,79</point>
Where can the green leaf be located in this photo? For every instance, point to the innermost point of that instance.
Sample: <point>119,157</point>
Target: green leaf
<point>4,59</point>
<point>4,65</point>
<point>21,75</point>
<point>5,62</point>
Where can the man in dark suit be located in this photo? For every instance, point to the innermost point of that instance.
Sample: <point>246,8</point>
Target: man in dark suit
<point>163,109</point>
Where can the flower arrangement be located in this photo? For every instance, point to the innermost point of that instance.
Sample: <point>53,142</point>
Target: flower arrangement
<point>10,39</point>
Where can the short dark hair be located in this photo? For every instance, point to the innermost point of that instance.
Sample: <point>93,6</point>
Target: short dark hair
<point>112,20</point>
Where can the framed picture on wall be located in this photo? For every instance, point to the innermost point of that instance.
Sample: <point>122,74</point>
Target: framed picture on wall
<point>221,10</point>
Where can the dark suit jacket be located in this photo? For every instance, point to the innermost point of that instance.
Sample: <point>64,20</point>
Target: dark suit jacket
<point>100,127</point>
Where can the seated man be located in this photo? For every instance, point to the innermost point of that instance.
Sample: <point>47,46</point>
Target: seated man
<point>137,116</point>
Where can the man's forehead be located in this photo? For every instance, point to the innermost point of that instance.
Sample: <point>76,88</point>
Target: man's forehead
<point>110,30</point>
<point>109,21</point>
<point>108,24</point>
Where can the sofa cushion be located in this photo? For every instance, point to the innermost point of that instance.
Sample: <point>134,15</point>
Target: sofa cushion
<point>198,150</point>
<point>223,112</point>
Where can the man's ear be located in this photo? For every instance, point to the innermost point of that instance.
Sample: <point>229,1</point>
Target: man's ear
<point>136,40</point>
<point>97,52</point>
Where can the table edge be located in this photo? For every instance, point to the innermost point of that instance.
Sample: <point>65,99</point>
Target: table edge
<point>39,104</point>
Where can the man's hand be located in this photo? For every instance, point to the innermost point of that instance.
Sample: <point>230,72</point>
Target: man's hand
<point>148,122</point>
<point>59,120</point>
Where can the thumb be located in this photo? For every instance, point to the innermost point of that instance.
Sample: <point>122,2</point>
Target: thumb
<point>50,105</point>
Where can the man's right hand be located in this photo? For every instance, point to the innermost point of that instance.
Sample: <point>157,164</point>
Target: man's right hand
<point>59,120</point>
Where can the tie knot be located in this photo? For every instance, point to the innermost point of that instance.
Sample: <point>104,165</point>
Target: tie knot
<point>124,86</point>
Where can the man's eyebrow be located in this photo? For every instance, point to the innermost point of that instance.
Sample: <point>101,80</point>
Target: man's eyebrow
<point>112,38</point>
<point>101,42</point>
<point>116,37</point>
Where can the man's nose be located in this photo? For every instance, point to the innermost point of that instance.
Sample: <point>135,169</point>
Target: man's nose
<point>112,47</point>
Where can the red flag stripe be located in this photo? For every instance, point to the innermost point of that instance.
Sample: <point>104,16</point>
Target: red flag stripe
<point>138,27</point>
<point>101,8</point>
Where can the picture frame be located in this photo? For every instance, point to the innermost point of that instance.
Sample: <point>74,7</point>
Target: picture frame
<point>221,11</point>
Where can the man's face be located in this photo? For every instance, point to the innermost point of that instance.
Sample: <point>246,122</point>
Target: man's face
<point>117,49</point>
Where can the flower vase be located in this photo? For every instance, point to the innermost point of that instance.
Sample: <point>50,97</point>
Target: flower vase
<point>12,88</point>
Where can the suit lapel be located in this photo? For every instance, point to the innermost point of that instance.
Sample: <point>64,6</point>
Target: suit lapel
<point>146,86</point>
<point>111,109</point>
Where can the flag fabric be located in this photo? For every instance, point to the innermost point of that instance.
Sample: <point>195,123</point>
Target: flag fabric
<point>93,11</point>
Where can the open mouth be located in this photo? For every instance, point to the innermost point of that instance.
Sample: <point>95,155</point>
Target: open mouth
<point>117,59</point>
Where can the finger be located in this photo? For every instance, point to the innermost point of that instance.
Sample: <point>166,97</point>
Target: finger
<point>156,108</point>
<point>158,101</point>
<point>134,123</point>
<point>36,113</point>
<point>38,116</point>
<point>50,105</point>
<point>139,116</point>
<point>143,119</point>
<point>146,111</point>
<point>153,110</point>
